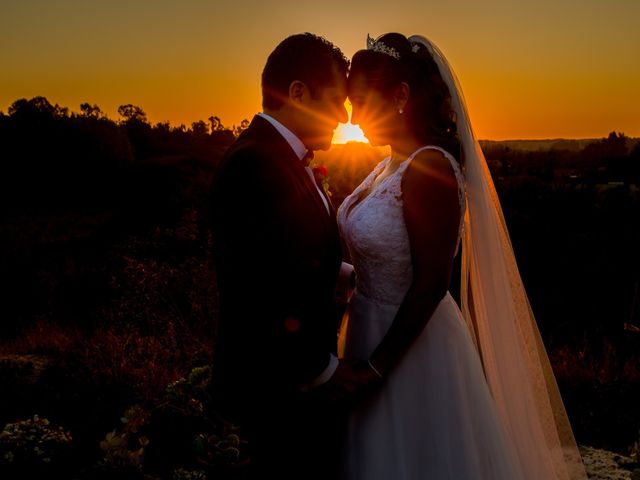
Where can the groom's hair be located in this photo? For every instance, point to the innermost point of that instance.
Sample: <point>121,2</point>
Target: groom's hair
<point>305,57</point>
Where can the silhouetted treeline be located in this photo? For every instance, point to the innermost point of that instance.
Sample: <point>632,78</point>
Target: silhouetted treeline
<point>53,158</point>
<point>74,186</point>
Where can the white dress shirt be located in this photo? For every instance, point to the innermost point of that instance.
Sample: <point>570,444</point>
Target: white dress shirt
<point>299,149</point>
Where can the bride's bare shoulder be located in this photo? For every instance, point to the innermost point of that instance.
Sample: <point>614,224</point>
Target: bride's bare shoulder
<point>432,166</point>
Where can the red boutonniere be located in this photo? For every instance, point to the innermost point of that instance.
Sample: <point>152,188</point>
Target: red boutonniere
<point>321,175</point>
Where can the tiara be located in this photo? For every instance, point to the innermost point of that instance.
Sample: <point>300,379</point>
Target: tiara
<point>380,47</point>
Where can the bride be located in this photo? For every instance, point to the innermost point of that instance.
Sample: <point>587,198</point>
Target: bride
<point>464,394</point>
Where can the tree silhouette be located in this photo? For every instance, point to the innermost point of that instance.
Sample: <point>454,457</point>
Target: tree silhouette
<point>138,130</point>
<point>200,128</point>
<point>132,113</point>
<point>216,124</point>
<point>38,105</point>
<point>91,111</point>
<point>244,124</point>
<point>614,146</point>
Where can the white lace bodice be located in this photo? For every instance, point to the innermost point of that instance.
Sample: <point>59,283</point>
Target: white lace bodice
<point>376,235</point>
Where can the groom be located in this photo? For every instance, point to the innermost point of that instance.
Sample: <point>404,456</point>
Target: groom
<point>278,257</point>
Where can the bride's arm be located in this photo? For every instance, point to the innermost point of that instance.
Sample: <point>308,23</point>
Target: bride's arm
<point>432,214</point>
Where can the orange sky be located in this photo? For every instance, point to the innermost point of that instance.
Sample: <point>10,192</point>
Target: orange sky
<point>543,69</point>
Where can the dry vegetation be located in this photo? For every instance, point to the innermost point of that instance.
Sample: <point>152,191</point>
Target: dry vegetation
<point>109,295</point>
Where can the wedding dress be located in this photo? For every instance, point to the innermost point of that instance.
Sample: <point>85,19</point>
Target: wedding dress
<point>434,417</point>
<point>474,397</point>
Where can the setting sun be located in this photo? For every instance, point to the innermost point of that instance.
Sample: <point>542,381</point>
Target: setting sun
<point>346,132</point>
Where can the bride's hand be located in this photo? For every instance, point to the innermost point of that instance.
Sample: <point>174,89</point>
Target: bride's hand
<point>343,383</point>
<point>350,383</point>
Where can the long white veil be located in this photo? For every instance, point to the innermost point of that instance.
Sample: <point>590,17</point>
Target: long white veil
<point>496,308</point>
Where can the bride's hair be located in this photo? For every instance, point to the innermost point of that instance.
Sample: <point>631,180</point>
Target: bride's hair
<point>431,116</point>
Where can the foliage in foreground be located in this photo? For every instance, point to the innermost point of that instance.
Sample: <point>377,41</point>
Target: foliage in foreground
<point>179,436</point>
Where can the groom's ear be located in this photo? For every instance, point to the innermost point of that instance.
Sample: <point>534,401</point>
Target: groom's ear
<point>297,91</point>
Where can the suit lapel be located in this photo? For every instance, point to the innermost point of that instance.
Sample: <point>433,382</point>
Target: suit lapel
<point>320,194</point>
<point>332,211</point>
<point>310,185</point>
<point>266,133</point>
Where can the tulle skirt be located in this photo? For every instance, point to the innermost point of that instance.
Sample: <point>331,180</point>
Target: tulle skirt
<point>434,418</point>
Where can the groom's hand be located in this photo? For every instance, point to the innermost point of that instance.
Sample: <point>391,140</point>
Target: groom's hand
<point>342,384</point>
<point>350,382</point>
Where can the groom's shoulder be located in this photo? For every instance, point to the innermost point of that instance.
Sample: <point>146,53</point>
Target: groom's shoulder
<point>250,162</point>
<point>259,142</point>
<point>246,153</point>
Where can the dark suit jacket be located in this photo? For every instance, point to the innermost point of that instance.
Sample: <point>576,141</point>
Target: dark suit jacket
<point>277,255</point>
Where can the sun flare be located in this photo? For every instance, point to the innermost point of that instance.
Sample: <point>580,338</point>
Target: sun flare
<point>346,132</point>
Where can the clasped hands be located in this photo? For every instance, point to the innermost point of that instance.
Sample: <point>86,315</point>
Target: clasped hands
<point>351,382</point>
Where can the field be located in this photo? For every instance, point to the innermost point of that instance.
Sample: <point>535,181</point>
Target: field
<point>109,294</point>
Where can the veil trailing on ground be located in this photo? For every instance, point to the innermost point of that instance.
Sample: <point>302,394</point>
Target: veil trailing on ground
<point>496,308</point>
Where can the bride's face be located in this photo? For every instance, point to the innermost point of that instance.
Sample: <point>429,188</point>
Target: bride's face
<point>375,114</point>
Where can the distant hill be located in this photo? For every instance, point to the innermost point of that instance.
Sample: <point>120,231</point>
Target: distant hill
<point>572,145</point>
<point>553,144</point>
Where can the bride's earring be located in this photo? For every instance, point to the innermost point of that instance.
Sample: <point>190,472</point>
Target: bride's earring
<point>401,111</point>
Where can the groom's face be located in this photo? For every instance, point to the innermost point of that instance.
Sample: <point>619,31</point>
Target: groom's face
<point>320,113</point>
